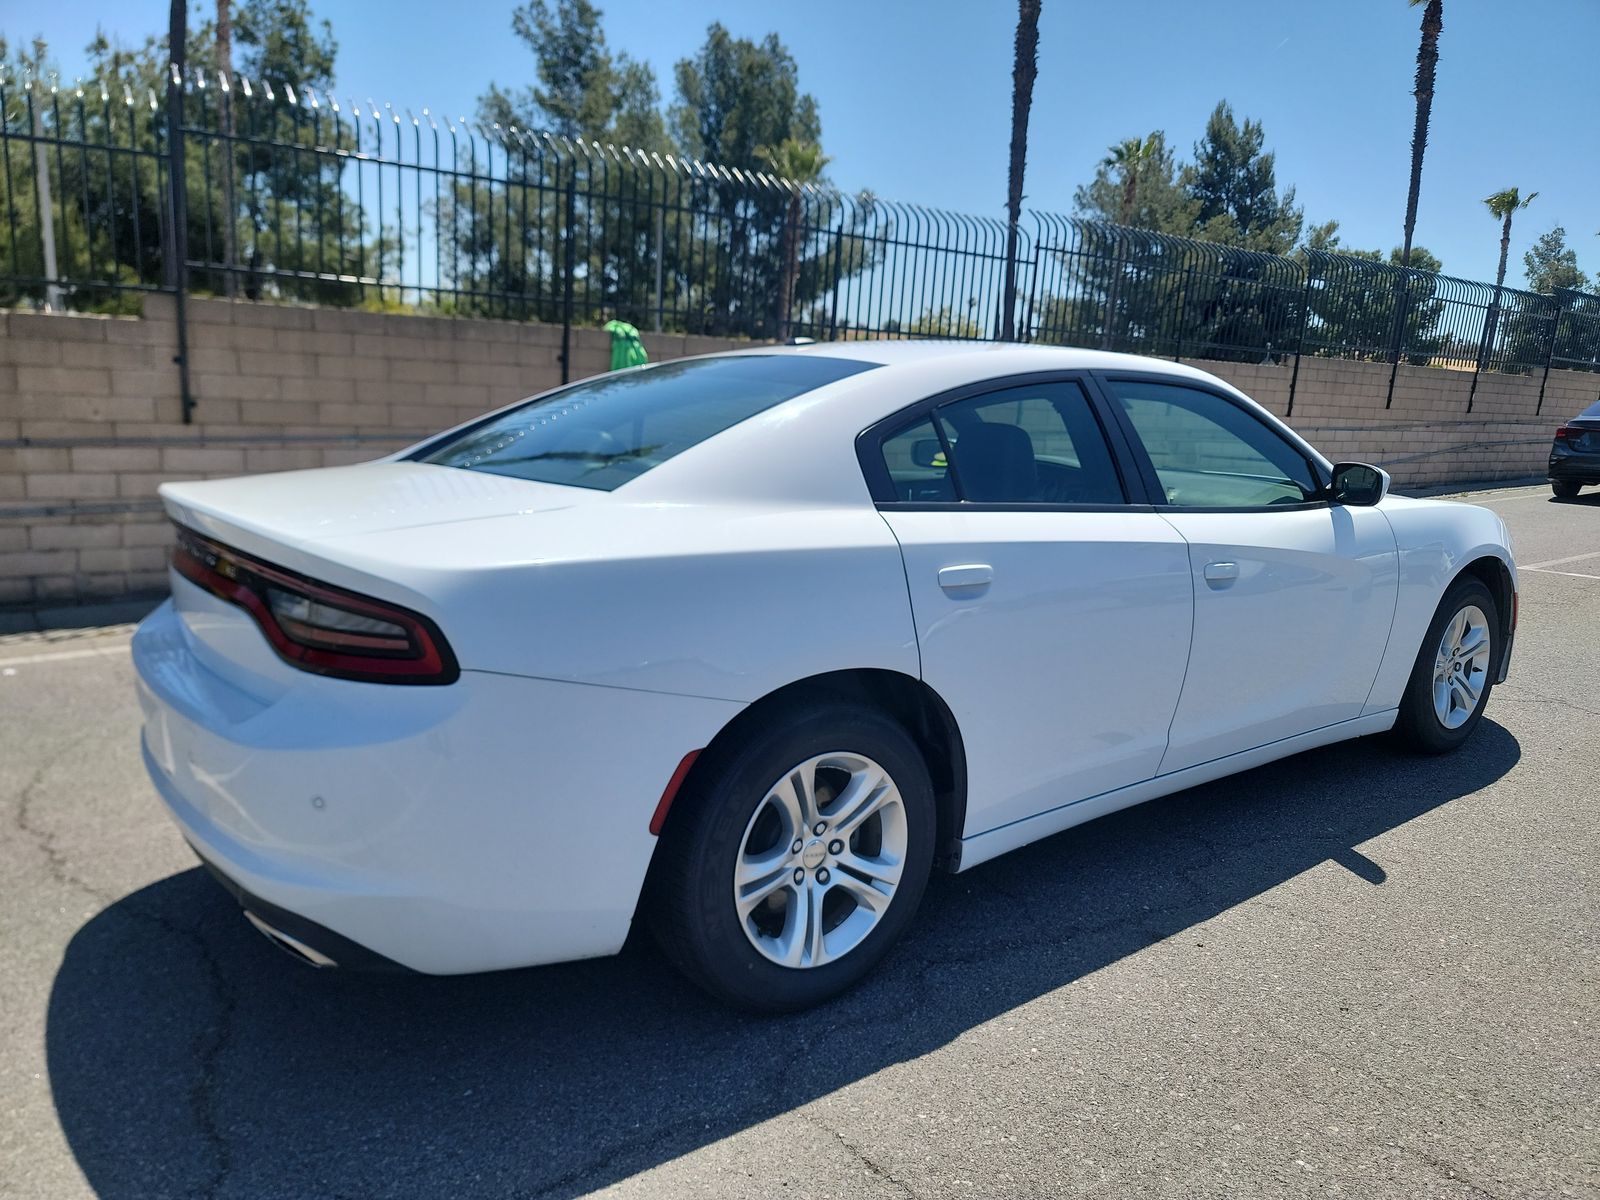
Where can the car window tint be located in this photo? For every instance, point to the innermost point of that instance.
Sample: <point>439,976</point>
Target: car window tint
<point>1210,453</point>
<point>605,431</point>
<point>1037,444</point>
<point>916,463</point>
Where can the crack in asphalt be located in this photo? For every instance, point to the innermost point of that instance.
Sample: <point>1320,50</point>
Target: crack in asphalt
<point>211,1046</point>
<point>873,1168</point>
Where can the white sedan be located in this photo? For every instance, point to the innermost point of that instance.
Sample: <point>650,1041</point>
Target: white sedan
<point>744,646</point>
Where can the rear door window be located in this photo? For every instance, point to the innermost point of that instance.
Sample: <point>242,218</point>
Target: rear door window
<point>605,431</point>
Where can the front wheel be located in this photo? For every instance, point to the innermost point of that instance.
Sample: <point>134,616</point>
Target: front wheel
<point>797,859</point>
<point>1450,683</point>
<point>1565,489</point>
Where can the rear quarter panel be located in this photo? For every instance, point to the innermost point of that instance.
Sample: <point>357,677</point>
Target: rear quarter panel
<point>723,601</point>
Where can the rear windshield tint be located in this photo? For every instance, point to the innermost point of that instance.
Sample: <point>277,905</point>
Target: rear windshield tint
<point>1592,413</point>
<point>613,428</point>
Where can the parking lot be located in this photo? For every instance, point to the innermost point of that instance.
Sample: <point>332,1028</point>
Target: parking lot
<point>1352,973</point>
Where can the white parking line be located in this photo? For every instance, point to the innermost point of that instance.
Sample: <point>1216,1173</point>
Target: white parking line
<point>1556,562</point>
<point>1568,574</point>
<point>64,655</point>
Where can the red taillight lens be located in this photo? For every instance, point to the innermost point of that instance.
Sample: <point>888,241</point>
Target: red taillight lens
<point>318,627</point>
<point>1568,434</point>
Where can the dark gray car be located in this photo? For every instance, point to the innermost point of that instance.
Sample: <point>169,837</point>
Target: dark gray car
<point>1575,454</point>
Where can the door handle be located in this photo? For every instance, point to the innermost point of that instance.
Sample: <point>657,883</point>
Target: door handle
<point>1221,574</point>
<point>966,576</point>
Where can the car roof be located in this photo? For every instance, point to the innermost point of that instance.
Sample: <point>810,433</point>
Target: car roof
<point>893,352</point>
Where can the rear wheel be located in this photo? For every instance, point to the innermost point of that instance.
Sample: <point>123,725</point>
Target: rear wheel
<point>1565,489</point>
<point>798,859</point>
<point>1450,683</point>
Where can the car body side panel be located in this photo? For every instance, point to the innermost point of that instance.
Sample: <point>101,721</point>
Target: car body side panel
<point>1436,539</point>
<point>1289,637</point>
<point>1063,672</point>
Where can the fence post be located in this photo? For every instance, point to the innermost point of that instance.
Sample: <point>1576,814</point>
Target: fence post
<point>661,247</point>
<point>1300,342</point>
<point>1560,302</point>
<point>177,248</point>
<point>47,216</point>
<point>570,245</point>
<point>1402,311</point>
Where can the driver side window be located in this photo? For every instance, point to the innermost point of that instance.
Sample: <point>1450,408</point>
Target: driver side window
<point>1210,453</point>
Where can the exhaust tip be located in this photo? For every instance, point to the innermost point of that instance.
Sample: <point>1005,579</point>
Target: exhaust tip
<point>291,946</point>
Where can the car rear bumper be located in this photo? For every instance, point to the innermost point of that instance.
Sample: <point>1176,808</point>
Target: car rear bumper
<point>496,822</point>
<point>1567,466</point>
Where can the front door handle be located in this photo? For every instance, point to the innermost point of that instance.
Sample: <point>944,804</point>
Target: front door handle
<point>1221,574</point>
<point>966,577</point>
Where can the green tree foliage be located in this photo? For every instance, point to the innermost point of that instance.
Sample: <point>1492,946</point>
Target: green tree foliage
<point>736,96</point>
<point>1233,182</point>
<point>1552,264</point>
<point>584,90</point>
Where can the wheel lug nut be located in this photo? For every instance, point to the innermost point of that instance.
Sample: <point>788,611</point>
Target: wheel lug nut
<point>799,875</point>
<point>822,875</point>
<point>820,828</point>
<point>798,846</point>
<point>836,847</point>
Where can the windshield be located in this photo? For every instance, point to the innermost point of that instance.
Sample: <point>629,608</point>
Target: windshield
<point>605,431</point>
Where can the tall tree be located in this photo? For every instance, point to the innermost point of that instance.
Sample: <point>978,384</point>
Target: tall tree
<point>1504,204</point>
<point>584,90</point>
<point>1427,68</point>
<point>1129,159</point>
<point>1156,199</point>
<point>1552,264</point>
<point>736,96</point>
<point>799,163</point>
<point>1024,70</point>
<point>1234,183</point>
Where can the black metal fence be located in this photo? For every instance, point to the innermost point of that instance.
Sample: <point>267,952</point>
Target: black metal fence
<point>294,196</point>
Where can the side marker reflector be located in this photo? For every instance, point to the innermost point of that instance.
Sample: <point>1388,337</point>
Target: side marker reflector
<point>667,797</point>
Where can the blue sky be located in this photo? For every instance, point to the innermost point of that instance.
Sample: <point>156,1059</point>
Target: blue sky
<point>915,97</point>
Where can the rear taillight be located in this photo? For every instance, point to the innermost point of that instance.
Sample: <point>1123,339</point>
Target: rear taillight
<point>318,627</point>
<point>1568,434</point>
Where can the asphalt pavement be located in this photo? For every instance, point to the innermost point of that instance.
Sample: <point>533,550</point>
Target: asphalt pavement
<point>1353,973</point>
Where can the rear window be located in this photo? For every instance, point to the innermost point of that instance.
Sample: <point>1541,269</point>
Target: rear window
<point>1592,413</point>
<point>608,430</point>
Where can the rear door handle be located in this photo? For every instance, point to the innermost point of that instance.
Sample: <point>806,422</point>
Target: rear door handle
<point>966,576</point>
<point>1221,574</point>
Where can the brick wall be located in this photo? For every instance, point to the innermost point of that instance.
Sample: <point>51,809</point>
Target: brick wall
<point>90,420</point>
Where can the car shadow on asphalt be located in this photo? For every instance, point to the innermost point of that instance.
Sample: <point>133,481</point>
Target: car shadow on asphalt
<point>186,1056</point>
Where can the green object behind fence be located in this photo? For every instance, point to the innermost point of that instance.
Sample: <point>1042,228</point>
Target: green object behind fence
<point>626,348</point>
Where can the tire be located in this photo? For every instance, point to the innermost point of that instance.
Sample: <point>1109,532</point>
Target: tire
<point>1423,724</point>
<point>1565,489</point>
<point>738,814</point>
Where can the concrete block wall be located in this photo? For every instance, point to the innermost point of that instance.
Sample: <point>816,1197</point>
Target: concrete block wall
<point>1426,436</point>
<point>91,422</point>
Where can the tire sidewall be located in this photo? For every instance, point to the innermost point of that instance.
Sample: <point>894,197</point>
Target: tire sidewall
<point>722,813</point>
<point>1418,721</point>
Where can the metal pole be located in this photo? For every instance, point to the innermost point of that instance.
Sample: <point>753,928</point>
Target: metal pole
<point>1550,354</point>
<point>1300,343</point>
<point>661,240</point>
<point>566,301</point>
<point>47,216</point>
<point>178,226</point>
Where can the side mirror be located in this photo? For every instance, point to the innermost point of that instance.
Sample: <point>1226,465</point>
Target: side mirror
<point>927,452</point>
<point>1358,484</point>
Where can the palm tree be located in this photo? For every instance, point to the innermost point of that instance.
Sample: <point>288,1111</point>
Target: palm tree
<point>799,163</point>
<point>1427,65</point>
<point>1129,158</point>
<point>1502,204</point>
<point>1024,71</point>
